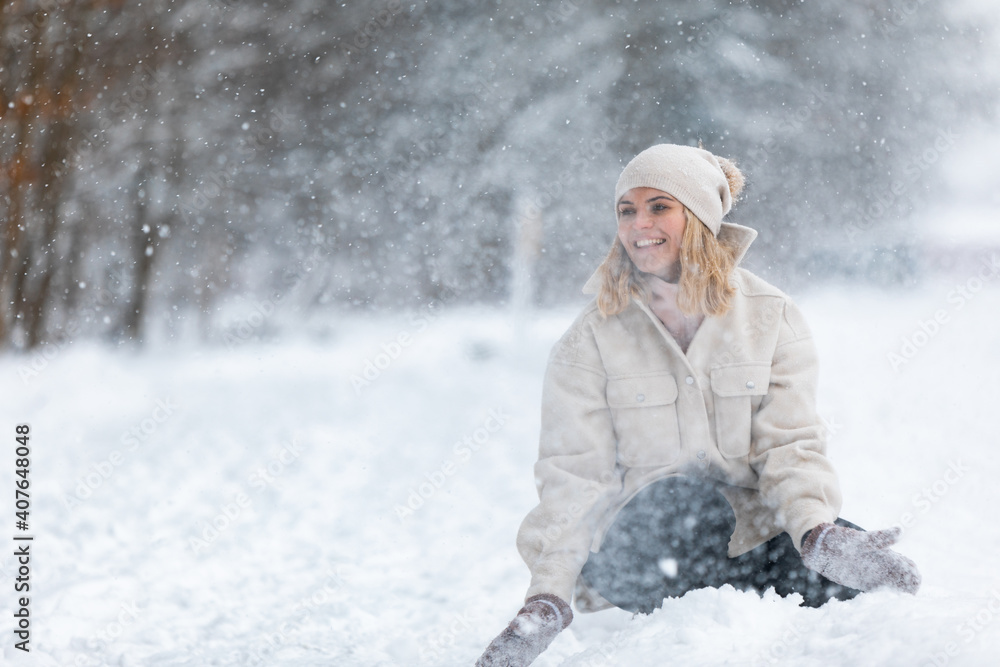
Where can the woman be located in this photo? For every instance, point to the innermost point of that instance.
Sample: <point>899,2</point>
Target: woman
<point>680,445</point>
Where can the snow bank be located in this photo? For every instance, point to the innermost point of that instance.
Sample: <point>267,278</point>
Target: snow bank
<point>262,506</point>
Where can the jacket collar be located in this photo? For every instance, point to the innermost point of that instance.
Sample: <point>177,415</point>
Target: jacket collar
<point>742,236</point>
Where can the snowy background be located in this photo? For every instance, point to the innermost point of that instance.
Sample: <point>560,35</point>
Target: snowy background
<point>278,295</point>
<point>278,517</point>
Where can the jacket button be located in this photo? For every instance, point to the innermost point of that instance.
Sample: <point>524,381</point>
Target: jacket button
<point>640,397</point>
<point>701,453</point>
<point>689,379</point>
<point>750,384</point>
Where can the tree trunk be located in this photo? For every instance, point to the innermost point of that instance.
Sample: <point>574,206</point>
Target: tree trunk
<point>142,257</point>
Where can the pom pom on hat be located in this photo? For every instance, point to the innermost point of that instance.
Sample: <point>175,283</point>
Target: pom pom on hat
<point>734,176</point>
<point>705,184</point>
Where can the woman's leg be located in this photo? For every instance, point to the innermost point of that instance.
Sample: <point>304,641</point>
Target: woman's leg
<point>673,537</point>
<point>777,564</point>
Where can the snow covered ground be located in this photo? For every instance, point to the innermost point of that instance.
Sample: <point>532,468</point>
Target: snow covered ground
<point>252,505</point>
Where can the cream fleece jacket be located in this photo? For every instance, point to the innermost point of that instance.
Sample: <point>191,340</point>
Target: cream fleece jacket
<point>623,406</point>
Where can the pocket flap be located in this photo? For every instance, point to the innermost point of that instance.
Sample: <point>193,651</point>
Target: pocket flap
<point>745,379</point>
<point>636,391</point>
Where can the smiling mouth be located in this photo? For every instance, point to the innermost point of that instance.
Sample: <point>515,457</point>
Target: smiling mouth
<point>649,242</point>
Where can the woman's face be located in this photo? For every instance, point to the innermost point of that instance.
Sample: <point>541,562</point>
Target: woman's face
<point>650,226</point>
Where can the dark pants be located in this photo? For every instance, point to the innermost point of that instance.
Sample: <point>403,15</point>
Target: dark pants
<point>673,537</point>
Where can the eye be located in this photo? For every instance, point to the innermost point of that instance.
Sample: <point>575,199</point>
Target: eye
<point>622,212</point>
<point>660,207</point>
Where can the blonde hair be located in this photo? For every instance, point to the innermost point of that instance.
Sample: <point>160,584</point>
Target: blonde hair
<point>707,263</point>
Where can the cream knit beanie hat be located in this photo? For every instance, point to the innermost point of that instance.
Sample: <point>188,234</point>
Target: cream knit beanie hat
<point>704,183</point>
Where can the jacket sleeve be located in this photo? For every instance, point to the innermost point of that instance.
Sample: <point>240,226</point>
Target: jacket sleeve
<point>575,473</point>
<point>788,450</point>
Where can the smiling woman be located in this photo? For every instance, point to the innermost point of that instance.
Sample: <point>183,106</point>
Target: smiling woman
<point>650,226</point>
<point>680,445</point>
<point>698,256</point>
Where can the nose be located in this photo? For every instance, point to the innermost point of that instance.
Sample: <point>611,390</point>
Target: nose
<point>643,219</point>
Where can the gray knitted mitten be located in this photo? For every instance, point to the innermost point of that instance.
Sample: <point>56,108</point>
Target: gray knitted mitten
<point>859,559</point>
<point>537,623</point>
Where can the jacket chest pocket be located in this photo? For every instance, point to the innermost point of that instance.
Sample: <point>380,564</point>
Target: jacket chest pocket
<point>644,410</point>
<point>737,391</point>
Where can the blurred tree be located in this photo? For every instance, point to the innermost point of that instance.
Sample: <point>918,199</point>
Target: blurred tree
<point>60,60</point>
<point>172,165</point>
